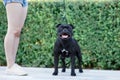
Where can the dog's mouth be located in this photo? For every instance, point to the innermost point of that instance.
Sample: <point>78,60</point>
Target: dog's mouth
<point>64,36</point>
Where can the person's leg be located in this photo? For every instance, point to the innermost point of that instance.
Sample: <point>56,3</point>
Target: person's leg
<point>16,15</point>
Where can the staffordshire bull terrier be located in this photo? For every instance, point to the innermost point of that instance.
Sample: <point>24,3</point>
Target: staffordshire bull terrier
<point>66,46</point>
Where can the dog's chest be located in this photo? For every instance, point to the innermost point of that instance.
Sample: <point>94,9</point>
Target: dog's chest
<point>65,53</point>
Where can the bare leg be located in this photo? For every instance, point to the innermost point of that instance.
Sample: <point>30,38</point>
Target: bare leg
<point>16,15</point>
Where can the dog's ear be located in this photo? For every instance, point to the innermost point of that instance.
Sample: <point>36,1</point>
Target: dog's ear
<point>58,25</point>
<point>71,26</point>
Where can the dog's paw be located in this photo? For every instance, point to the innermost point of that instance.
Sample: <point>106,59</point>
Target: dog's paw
<point>73,74</point>
<point>80,70</point>
<point>55,73</point>
<point>63,70</point>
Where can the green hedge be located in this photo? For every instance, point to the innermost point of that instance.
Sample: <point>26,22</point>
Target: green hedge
<point>97,30</point>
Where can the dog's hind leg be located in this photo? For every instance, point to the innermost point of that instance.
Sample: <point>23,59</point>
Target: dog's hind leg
<point>80,62</point>
<point>63,64</point>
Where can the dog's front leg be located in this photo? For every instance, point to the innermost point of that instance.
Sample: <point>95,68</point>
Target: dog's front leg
<point>56,60</point>
<point>73,66</point>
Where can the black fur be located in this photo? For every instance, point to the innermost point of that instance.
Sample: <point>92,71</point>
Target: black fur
<point>66,46</point>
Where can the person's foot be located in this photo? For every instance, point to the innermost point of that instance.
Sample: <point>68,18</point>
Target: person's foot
<point>16,70</point>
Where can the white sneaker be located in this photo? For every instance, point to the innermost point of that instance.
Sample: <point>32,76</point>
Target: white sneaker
<point>16,70</point>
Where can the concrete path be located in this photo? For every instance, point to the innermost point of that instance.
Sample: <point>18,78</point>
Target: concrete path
<point>46,74</point>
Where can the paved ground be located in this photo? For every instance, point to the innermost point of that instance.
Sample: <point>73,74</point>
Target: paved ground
<point>46,74</point>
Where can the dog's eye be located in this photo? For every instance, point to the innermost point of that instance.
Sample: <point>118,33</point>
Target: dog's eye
<point>60,29</point>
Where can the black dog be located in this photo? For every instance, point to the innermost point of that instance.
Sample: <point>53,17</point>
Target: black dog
<point>66,46</point>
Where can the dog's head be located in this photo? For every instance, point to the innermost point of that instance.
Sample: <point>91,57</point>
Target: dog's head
<point>65,31</point>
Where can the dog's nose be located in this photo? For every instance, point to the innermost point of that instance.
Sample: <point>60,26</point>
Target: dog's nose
<point>64,30</point>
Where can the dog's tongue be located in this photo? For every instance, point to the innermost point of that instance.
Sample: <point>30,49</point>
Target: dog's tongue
<point>64,36</point>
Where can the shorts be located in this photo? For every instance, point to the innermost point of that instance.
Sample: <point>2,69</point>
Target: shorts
<point>24,3</point>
